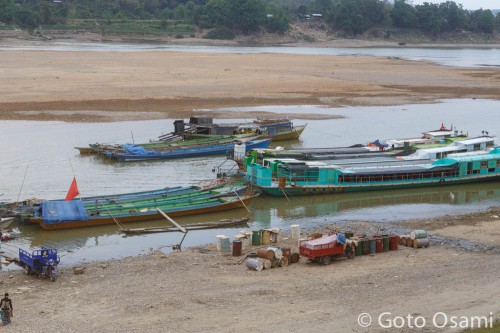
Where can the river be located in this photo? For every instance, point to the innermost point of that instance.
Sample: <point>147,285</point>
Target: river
<point>458,56</point>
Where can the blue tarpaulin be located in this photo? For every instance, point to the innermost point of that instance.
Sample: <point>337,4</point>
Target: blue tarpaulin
<point>57,211</point>
<point>139,150</point>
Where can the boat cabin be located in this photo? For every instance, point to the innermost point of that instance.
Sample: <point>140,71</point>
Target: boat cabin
<point>297,174</point>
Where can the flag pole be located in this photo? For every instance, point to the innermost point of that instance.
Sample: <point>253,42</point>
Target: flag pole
<point>22,184</point>
<point>71,165</point>
<point>74,176</point>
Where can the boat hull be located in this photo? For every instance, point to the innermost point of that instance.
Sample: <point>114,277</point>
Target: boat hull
<point>294,134</point>
<point>318,190</point>
<point>195,152</point>
<point>138,217</point>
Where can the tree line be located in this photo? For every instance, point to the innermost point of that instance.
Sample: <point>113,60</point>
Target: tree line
<point>248,16</point>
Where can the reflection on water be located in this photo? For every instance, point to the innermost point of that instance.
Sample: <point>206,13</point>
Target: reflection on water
<point>107,242</point>
<point>394,205</point>
<point>38,160</point>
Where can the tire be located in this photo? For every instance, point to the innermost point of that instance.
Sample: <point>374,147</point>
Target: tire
<point>52,275</point>
<point>326,260</point>
<point>27,269</point>
<point>349,252</point>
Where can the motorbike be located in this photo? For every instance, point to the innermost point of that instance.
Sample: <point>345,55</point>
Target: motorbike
<point>42,261</point>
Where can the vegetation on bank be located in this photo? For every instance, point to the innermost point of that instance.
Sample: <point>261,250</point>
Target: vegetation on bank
<point>227,18</point>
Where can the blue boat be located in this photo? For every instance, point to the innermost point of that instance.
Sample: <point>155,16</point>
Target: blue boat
<point>138,153</point>
<point>292,177</point>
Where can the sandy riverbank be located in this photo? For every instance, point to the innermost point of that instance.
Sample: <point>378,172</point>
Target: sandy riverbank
<point>86,86</point>
<point>200,290</point>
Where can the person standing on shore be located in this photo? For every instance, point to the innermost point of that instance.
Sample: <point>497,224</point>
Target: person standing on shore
<point>6,306</point>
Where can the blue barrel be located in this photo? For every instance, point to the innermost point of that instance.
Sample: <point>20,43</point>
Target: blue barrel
<point>373,246</point>
<point>226,245</point>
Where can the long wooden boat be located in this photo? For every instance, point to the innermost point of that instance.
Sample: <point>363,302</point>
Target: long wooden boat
<point>280,178</point>
<point>364,153</point>
<point>188,140</point>
<point>218,149</point>
<point>62,214</point>
<point>440,136</point>
<point>162,193</point>
<point>26,209</point>
<point>290,134</point>
<point>194,226</point>
<point>5,222</point>
<point>276,129</point>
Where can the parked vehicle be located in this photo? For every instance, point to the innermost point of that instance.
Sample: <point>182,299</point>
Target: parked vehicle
<point>326,248</point>
<point>41,261</point>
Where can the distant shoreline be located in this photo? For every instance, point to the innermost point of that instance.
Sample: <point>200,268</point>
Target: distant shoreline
<point>17,37</point>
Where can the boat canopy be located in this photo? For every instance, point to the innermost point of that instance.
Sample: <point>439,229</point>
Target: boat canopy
<point>403,169</point>
<point>57,211</point>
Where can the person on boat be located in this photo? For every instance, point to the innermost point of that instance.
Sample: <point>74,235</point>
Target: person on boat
<point>6,306</point>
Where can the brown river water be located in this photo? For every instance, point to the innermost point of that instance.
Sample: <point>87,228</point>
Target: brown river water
<point>39,160</point>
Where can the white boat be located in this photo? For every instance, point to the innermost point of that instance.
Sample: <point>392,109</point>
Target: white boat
<point>479,145</point>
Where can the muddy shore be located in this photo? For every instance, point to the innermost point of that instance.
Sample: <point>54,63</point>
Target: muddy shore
<point>200,290</point>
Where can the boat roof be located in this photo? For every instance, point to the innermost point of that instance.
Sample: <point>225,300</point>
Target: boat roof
<point>477,140</point>
<point>440,133</point>
<point>492,155</point>
<point>354,163</point>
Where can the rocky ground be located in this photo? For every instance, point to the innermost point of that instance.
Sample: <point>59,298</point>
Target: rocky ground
<point>200,290</point>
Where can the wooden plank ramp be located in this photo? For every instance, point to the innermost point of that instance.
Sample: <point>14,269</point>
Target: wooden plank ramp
<point>194,226</point>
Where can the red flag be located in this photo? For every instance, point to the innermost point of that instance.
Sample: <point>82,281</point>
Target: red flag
<point>73,190</point>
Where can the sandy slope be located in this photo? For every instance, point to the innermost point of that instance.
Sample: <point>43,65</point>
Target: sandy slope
<point>78,86</point>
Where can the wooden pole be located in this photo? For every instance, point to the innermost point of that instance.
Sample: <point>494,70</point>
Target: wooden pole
<point>22,184</point>
<point>116,221</point>
<point>171,220</point>
<point>248,210</point>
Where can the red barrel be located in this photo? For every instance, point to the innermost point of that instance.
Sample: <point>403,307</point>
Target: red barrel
<point>393,242</point>
<point>379,244</point>
<point>265,253</point>
<point>237,248</point>
<point>295,258</point>
<point>286,251</point>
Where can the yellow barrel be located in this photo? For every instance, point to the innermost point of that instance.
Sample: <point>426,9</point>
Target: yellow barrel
<point>421,242</point>
<point>266,237</point>
<point>283,261</point>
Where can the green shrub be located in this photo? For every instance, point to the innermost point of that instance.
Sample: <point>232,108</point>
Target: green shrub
<point>220,33</point>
